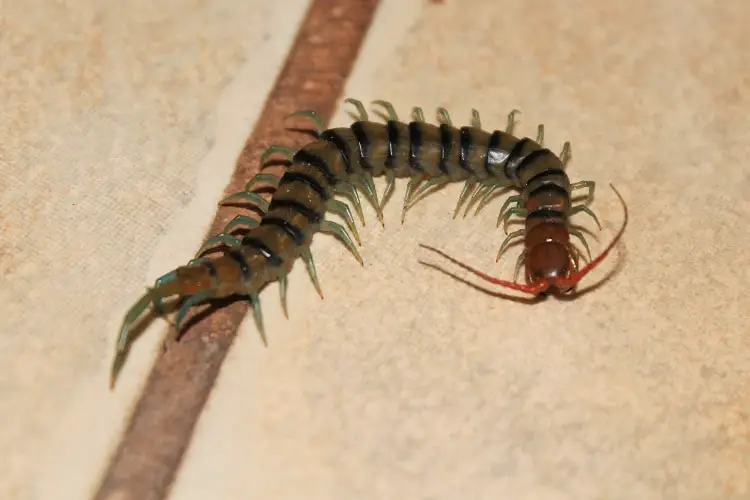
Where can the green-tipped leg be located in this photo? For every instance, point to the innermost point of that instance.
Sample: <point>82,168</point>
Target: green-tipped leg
<point>240,221</point>
<point>434,182</point>
<point>443,117</point>
<point>258,315</point>
<point>578,234</point>
<point>310,264</point>
<point>360,108</point>
<point>469,188</point>
<point>342,210</point>
<point>519,264</point>
<point>189,302</point>
<point>540,135</point>
<point>565,154</point>
<point>588,185</point>
<point>312,116</point>
<point>338,231</point>
<point>487,196</point>
<point>123,339</point>
<point>417,114</point>
<point>284,151</point>
<point>389,109</point>
<point>516,200</point>
<point>390,176</point>
<point>250,196</point>
<point>410,186</point>
<point>507,240</point>
<point>220,239</point>
<point>587,211</point>
<point>347,189</point>
<point>519,211</point>
<point>283,284</point>
<point>511,121</point>
<point>368,188</point>
<point>476,122</point>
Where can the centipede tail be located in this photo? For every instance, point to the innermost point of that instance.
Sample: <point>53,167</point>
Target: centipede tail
<point>342,162</point>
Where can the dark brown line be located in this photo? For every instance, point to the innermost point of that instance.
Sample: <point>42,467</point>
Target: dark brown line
<point>151,450</point>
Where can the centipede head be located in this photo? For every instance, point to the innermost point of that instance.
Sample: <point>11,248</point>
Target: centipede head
<point>547,262</point>
<point>550,265</point>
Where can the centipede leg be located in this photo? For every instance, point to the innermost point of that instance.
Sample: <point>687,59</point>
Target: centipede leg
<point>511,200</point>
<point>310,265</point>
<point>519,264</point>
<point>339,232</point>
<point>363,116</point>
<point>240,220</point>
<point>250,196</point>
<point>540,135</point>
<point>160,281</point>
<point>476,122</point>
<point>368,188</point>
<point>190,302</point>
<point>258,315</point>
<point>589,185</point>
<point>587,211</point>
<point>283,285</point>
<point>342,210</point>
<point>434,182</point>
<point>506,242</point>
<point>220,239</point>
<point>578,234</point>
<point>565,154</point>
<point>312,116</point>
<point>469,188</point>
<point>444,117</point>
<point>410,186</point>
<point>390,177</point>
<point>519,211</point>
<point>417,114</point>
<point>347,189</point>
<point>511,121</point>
<point>392,116</point>
<point>488,194</point>
<point>284,151</point>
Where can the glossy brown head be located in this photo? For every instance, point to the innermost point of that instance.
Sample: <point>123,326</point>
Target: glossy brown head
<point>549,262</point>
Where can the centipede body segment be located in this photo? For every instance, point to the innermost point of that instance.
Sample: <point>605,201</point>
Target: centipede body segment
<point>341,163</point>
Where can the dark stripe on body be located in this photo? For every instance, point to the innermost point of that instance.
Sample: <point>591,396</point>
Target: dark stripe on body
<point>415,143</point>
<point>340,144</point>
<point>529,160</point>
<point>463,153</point>
<point>212,272</point>
<point>493,151</point>
<point>363,142</point>
<point>290,229</point>
<point>549,187</point>
<point>547,213</point>
<point>393,139</point>
<point>304,156</point>
<point>550,172</point>
<point>446,144</point>
<point>239,258</point>
<point>310,181</point>
<point>311,215</point>
<point>271,257</point>
<point>513,155</point>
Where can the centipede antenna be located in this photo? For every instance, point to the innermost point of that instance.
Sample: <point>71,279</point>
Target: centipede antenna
<point>534,289</point>
<point>575,277</point>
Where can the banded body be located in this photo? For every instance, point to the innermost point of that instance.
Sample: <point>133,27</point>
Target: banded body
<point>342,161</point>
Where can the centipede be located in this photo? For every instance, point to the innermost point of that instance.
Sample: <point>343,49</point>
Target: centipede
<point>339,163</point>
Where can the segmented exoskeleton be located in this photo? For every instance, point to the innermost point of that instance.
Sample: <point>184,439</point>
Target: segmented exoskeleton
<point>343,160</point>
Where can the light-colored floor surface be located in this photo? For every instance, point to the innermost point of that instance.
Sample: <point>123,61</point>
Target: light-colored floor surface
<point>121,126</point>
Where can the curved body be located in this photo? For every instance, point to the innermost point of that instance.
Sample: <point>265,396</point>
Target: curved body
<point>342,161</point>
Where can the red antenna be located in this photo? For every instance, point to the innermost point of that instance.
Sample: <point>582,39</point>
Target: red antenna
<point>543,285</point>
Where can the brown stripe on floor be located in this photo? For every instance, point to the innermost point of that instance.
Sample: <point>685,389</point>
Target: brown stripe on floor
<point>149,455</point>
